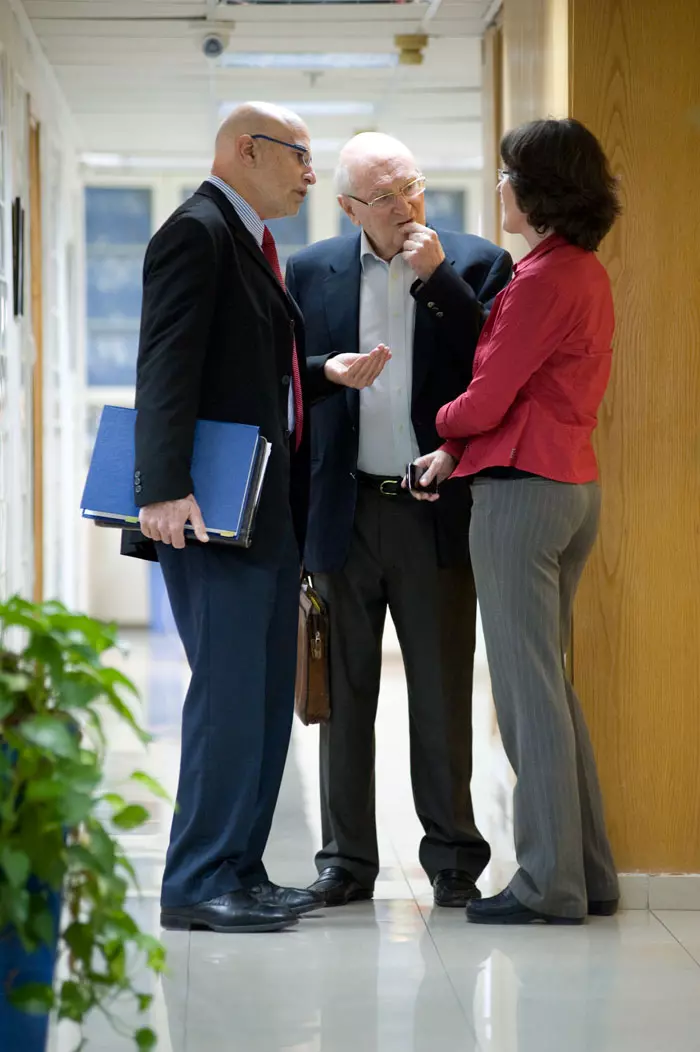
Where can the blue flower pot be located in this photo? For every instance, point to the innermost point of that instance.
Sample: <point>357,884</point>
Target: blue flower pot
<point>19,1031</point>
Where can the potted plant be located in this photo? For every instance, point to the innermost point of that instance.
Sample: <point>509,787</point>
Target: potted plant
<point>58,828</point>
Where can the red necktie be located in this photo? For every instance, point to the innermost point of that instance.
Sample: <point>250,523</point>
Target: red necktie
<point>270,253</point>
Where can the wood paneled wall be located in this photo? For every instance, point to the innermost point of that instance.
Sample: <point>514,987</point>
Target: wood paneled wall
<point>631,71</point>
<point>635,81</point>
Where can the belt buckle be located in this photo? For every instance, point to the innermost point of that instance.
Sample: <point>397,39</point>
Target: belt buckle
<point>389,492</point>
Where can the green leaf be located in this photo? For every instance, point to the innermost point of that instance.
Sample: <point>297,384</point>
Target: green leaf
<point>79,938</point>
<point>51,734</point>
<point>15,866</point>
<point>151,784</point>
<point>45,789</point>
<point>144,1001</point>
<point>7,706</point>
<point>45,926</point>
<point>131,817</point>
<point>75,1002</point>
<point>34,998</point>
<point>114,799</point>
<point>145,1039</point>
<point>154,950</point>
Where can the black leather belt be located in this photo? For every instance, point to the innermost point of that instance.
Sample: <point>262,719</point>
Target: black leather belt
<point>388,486</point>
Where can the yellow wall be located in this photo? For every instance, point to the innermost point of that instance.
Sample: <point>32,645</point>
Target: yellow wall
<point>631,71</point>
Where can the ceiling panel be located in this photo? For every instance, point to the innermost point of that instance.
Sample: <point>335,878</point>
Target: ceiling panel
<point>136,79</point>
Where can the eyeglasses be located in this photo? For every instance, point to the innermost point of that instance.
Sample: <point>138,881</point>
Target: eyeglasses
<point>304,154</point>
<point>503,174</point>
<point>410,191</point>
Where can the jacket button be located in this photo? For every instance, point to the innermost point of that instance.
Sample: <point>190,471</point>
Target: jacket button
<point>440,314</point>
<point>285,381</point>
<point>138,488</point>
<point>431,305</point>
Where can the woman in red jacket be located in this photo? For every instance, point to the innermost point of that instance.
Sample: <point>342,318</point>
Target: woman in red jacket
<point>522,433</point>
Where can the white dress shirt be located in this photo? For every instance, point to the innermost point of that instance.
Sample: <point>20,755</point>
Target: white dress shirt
<point>387,315</point>
<point>255,226</point>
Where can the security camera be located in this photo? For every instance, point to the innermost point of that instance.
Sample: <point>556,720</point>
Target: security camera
<point>214,45</point>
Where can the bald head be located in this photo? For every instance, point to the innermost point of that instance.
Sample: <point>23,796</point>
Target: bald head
<point>258,118</point>
<point>367,154</point>
<point>263,152</point>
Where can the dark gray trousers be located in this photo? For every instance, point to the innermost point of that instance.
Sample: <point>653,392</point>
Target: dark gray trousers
<point>530,540</point>
<point>393,563</point>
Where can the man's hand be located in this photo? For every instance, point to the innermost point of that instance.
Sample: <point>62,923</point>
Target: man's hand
<point>439,465</point>
<point>166,521</point>
<point>422,250</point>
<point>357,370</point>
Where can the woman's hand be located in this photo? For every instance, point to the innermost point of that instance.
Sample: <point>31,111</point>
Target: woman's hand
<point>438,465</point>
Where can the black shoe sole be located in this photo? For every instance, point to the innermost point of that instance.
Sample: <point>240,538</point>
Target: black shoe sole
<point>458,903</point>
<point>519,918</point>
<point>347,900</point>
<point>603,909</point>
<point>179,922</point>
<point>314,907</point>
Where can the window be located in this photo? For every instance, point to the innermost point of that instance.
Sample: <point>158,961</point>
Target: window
<point>118,228</point>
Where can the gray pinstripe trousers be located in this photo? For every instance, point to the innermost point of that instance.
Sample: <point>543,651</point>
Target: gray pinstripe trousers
<point>530,539</point>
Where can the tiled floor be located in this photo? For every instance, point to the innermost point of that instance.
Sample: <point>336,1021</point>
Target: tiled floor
<point>395,975</point>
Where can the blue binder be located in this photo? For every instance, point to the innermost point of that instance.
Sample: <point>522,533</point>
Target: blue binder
<point>228,470</point>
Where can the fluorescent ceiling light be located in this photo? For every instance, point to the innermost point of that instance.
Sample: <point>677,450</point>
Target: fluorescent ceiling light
<point>309,60</point>
<point>169,163</point>
<point>315,109</point>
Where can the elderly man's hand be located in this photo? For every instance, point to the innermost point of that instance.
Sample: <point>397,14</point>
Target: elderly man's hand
<point>166,521</point>
<point>357,370</point>
<point>422,250</point>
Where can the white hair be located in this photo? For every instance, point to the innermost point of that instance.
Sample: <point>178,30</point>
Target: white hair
<point>342,180</point>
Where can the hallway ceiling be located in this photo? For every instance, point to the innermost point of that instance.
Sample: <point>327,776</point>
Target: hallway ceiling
<point>135,76</point>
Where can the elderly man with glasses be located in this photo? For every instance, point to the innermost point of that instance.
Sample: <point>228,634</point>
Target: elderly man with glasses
<point>425,295</point>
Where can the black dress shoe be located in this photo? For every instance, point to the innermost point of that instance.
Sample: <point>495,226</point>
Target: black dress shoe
<point>603,907</point>
<point>454,887</point>
<point>506,909</point>
<point>235,912</point>
<point>295,899</point>
<point>337,887</point>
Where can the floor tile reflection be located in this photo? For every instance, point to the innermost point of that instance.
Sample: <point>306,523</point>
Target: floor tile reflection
<point>394,975</point>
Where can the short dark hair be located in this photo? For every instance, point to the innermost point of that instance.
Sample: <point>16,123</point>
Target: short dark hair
<point>561,180</point>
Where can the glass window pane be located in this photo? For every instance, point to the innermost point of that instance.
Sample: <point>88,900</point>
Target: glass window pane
<point>118,228</point>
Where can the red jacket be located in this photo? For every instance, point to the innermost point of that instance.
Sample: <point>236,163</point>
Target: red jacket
<point>540,370</point>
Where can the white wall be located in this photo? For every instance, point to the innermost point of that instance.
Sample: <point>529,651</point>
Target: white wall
<point>118,587</point>
<point>29,89</point>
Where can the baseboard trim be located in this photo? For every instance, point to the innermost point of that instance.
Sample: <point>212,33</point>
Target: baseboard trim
<point>660,891</point>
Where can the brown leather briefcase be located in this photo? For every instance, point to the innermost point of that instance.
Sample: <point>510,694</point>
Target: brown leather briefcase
<point>312,700</point>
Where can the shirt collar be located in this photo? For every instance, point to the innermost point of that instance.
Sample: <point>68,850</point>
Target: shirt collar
<point>367,253</point>
<point>549,244</point>
<point>246,213</point>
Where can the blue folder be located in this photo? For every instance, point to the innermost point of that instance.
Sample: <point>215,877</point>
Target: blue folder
<point>228,469</point>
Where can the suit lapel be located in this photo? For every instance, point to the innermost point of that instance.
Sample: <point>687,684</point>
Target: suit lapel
<point>243,237</point>
<point>341,300</point>
<point>424,334</point>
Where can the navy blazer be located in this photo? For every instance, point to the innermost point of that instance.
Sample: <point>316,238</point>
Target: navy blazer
<point>451,308</point>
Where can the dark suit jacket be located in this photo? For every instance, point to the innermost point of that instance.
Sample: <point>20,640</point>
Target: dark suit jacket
<point>216,344</point>
<point>450,310</point>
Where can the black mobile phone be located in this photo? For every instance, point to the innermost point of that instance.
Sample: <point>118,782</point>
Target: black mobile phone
<point>414,474</point>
